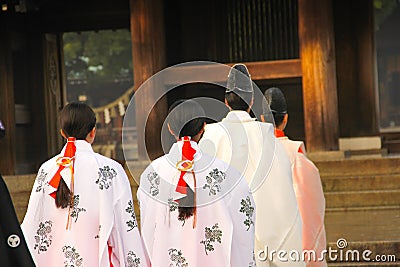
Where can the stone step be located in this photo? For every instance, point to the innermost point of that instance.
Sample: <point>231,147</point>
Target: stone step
<point>372,225</point>
<point>358,167</point>
<point>20,183</point>
<point>370,198</point>
<point>374,229</point>
<point>361,183</point>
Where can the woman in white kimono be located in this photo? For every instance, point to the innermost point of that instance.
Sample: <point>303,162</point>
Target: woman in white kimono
<point>80,212</point>
<point>306,180</point>
<point>195,210</point>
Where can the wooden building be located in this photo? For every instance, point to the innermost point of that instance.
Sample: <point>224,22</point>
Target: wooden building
<point>321,53</point>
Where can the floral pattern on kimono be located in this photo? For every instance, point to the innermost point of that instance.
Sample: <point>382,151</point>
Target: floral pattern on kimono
<point>214,180</point>
<point>131,223</point>
<point>248,210</point>
<point>154,180</point>
<point>132,259</point>
<point>75,209</point>
<point>43,237</point>
<point>177,258</point>
<point>72,257</point>
<point>212,235</point>
<point>106,174</point>
<point>41,180</point>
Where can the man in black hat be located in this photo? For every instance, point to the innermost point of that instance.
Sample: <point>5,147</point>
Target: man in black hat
<point>251,147</point>
<point>13,249</point>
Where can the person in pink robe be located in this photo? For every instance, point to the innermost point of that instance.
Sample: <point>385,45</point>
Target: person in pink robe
<point>306,179</point>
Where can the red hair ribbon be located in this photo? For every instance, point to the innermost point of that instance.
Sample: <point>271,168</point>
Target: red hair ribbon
<point>186,164</point>
<point>63,162</point>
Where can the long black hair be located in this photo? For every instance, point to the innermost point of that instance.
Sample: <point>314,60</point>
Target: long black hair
<point>77,120</point>
<point>186,118</point>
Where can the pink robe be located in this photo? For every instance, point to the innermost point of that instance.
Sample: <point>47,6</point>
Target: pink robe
<point>310,198</point>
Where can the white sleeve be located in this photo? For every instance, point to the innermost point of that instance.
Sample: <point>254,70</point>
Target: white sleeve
<point>125,241</point>
<point>39,190</point>
<point>242,210</point>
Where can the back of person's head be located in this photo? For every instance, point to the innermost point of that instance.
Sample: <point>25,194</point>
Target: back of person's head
<point>186,118</point>
<point>239,88</point>
<point>276,103</point>
<point>77,120</point>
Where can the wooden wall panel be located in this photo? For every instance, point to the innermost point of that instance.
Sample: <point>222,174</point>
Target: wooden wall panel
<point>355,51</point>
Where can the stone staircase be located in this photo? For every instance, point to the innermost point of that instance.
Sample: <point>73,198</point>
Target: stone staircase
<point>362,207</point>
<point>20,187</point>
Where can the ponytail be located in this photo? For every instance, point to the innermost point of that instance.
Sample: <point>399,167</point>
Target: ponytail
<point>186,205</point>
<point>63,195</point>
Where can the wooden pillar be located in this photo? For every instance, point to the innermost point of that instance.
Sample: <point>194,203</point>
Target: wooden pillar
<point>148,52</point>
<point>52,92</point>
<point>354,35</point>
<point>7,107</point>
<point>317,53</point>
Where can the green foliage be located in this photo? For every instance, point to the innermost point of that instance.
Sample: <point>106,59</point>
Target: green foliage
<point>96,55</point>
<point>383,9</point>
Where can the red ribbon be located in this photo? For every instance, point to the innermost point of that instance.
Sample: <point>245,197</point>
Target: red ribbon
<point>69,153</point>
<point>187,154</point>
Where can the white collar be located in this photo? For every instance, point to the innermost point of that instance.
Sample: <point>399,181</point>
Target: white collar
<point>238,116</point>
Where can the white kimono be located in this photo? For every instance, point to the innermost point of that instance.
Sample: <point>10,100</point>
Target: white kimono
<point>310,197</point>
<point>252,148</point>
<point>223,234</point>
<point>103,227</point>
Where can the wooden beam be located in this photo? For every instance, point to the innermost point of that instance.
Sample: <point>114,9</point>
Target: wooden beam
<point>317,52</point>
<point>67,15</point>
<point>148,52</point>
<point>7,108</point>
<point>262,70</point>
<point>278,69</point>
